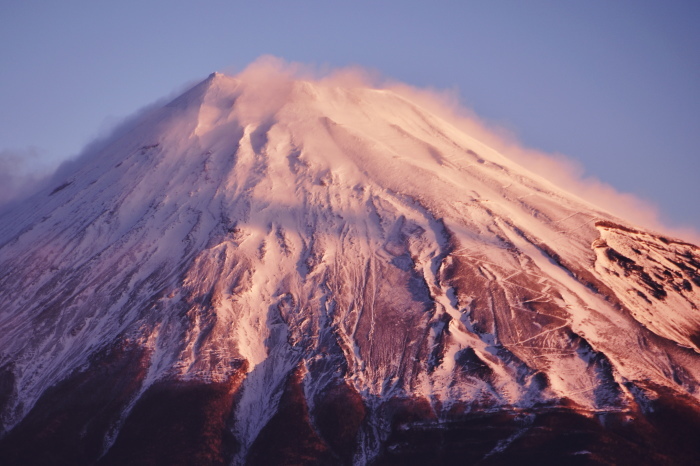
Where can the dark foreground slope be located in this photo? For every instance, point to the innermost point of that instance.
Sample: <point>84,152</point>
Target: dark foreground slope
<point>186,423</point>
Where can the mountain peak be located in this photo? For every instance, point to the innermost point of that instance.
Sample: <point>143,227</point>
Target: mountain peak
<point>267,251</point>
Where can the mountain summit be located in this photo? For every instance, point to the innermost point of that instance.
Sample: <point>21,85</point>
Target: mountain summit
<point>280,271</point>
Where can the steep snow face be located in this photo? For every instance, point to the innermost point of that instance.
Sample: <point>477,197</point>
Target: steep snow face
<point>338,234</point>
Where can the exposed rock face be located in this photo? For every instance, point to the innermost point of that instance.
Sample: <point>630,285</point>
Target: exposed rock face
<point>335,276</point>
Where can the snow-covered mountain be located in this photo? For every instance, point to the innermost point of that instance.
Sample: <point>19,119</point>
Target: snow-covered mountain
<point>295,272</point>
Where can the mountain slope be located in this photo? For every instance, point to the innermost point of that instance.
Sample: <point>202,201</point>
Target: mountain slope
<point>310,273</point>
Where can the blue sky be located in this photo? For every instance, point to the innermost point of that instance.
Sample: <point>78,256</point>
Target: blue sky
<point>613,85</point>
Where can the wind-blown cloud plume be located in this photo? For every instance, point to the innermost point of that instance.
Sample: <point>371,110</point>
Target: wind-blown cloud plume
<point>268,82</point>
<point>273,78</point>
<point>559,169</point>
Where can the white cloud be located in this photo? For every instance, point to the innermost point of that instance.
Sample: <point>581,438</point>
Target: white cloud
<point>21,173</point>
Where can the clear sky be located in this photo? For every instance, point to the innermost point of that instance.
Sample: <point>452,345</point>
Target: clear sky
<point>614,85</point>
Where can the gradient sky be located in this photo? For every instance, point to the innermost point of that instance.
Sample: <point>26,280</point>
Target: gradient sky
<point>613,85</point>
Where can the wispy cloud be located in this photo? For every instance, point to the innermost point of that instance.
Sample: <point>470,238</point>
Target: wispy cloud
<point>268,82</point>
<point>273,77</point>
<point>21,172</point>
<point>563,171</point>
